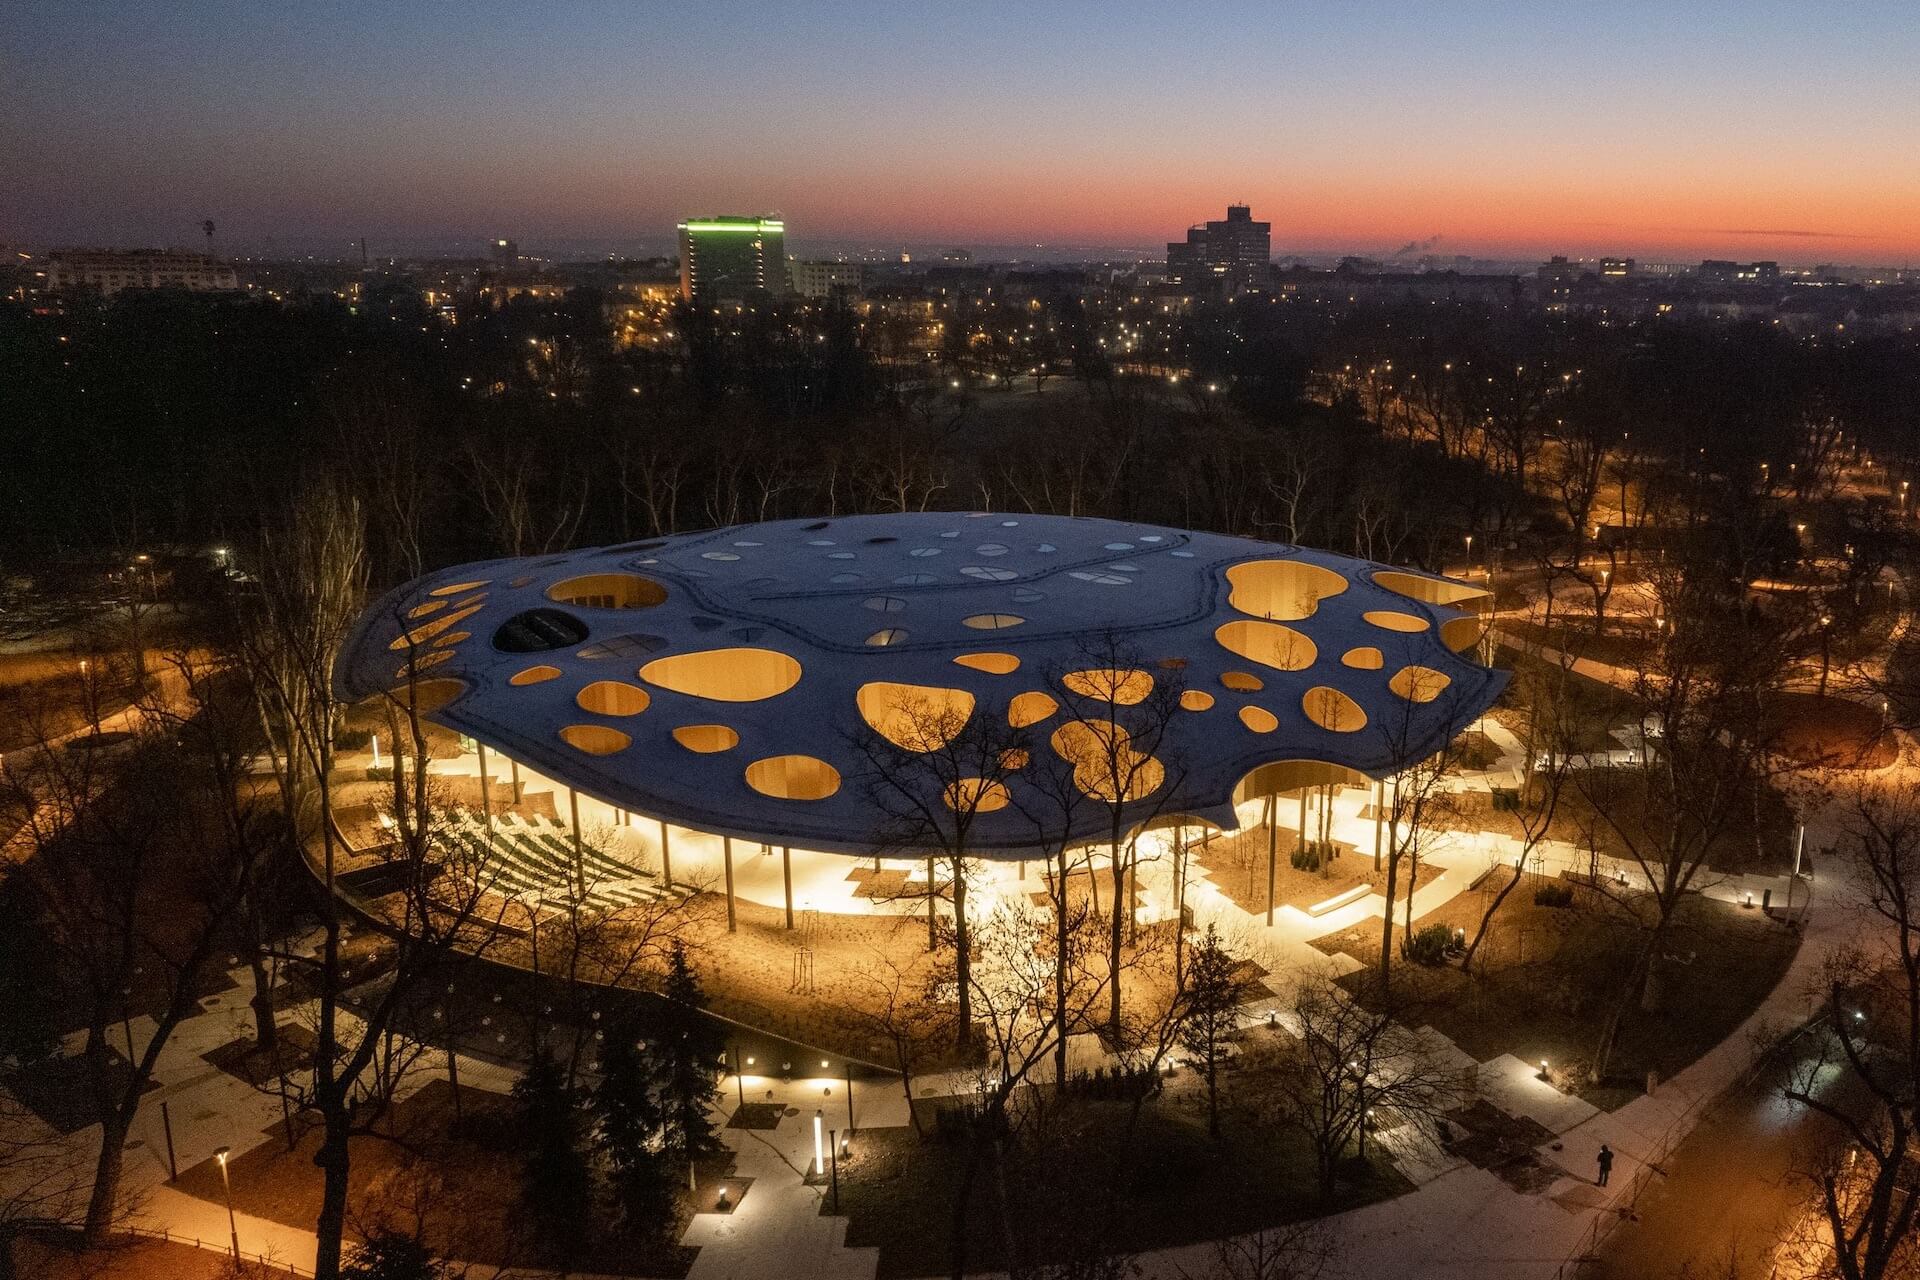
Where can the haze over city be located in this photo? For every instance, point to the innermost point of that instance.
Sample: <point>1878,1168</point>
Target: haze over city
<point>1503,130</point>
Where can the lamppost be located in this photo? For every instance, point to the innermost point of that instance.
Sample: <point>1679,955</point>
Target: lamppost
<point>233,1229</point>
<point>87,693</point>
<point>1826,650</point>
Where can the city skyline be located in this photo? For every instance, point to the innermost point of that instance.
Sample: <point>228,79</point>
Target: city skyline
<point>1490,130</point>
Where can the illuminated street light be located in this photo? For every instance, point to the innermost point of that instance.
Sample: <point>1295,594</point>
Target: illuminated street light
<point>233,1229</point>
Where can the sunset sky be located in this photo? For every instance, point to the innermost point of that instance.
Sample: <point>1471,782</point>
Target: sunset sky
<point>1685,130</point>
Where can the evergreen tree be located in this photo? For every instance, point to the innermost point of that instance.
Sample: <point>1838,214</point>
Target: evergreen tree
<point>1207,1014</point>
<point>558,1184</point>
<point>392,1255</point>
<point>29,981</point>
<point>631,1115</point>
<point>686,1053</point>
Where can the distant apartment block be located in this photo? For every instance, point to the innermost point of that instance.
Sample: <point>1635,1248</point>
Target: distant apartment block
<point>111,270</point>
<point>825,279</point>
<point>1719,271</point>
<point>1231,253</point>
<point>732,257</point>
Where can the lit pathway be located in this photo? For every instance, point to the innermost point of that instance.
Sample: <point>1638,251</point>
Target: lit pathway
<point>1466,1222</point>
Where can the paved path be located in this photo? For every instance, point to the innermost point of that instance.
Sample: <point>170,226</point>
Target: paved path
<point>1743,1160</point>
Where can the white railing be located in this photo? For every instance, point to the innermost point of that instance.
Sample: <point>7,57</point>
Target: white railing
<point>178,1237</point>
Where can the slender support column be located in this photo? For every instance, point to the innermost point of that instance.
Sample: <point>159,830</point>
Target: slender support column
<point>1273,850</point>
<point>726,854</point>
<point>1180,877</point>
<point>1133,894</point>
<point>666,856</point>
<point>514,765</point>
<point>1179,908</point>
<point>1303,818</point>
<point>931,933</point>
<point>1379,817</point>
<point>579,860</point>
<point>1326,830</point>
<point>786,879</point>
<point>486,792</point>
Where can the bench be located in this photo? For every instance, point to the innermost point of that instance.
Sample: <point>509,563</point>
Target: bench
<point>1341,899</point>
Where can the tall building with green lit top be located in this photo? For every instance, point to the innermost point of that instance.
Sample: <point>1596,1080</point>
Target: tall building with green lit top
<point>732,257</point>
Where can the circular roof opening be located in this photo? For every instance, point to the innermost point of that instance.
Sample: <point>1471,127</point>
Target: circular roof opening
<point>595,739</point>
<point>1333,710</point>
<point>725,675</point>
<point>1394,620</point>
<point>538,630</point>
<point>793,777</point>
<point>428,696</point>
<point>1283,590</point>
<point>608,591</point>
<point>706,739</point>
<point>1259,719</point>
<point>994,664</point>
<point>612,698</point>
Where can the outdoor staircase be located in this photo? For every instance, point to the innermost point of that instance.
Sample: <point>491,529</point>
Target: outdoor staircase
<point>534,862</point>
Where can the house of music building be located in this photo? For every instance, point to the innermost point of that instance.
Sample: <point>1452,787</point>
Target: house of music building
<point>787,712</point>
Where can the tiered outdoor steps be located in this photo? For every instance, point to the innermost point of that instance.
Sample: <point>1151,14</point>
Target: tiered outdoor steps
<point>535,861</point>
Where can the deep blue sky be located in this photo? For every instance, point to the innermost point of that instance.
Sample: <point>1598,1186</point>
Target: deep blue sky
<point>1756,129</point>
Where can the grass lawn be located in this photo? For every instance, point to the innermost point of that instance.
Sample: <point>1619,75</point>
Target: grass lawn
<point>1546,975</point>
<point>462,1176</point>
<point>1593,708</point>
<point>1170,1184</point>
<point>56,705</point>
<point>1624,644</point>
<point>1833,733</point>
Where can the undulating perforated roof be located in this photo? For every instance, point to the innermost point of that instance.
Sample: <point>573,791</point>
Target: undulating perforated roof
<point>722,680</point>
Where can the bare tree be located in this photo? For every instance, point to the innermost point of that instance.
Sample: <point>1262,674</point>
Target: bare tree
<point>138,883</point>
<point>311,573</point>
<point>934,769</point>
<point>588,938</point>
<point>1868,1201</point>
<point>1418,794</point>
<point>897,1005</point>
<point>1542,777</point>
<point>1294,1251</point>
<point>39,1184</point>
<point>1116,716</point>
<point>1699,701</point>
<point>1344,1065</point>
<point>1013,985</point>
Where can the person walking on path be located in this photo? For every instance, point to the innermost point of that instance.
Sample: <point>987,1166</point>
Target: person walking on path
<point>1606,1165</point>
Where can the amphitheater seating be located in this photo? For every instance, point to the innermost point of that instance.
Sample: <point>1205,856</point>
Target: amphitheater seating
<point>534,861</point>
